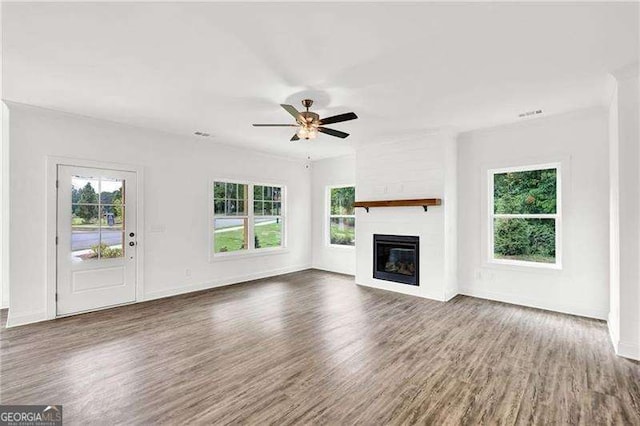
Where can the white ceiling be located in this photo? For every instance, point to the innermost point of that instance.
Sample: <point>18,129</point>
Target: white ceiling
<point>405,69</point>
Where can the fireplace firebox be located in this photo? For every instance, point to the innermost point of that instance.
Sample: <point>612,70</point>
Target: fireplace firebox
<point>396,258</point>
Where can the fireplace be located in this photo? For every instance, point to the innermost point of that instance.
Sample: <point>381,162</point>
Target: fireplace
<point>396,258</point>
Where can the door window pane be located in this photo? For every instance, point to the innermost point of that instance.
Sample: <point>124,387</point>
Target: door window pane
<point>268,232</point>
<point>111,191</point>
<point>97,218</point>
<point>230,234</point>
<point>529,240</point>
<point>112,215</point>
<point>84,190</point>
<point>342,231</point>
<point>85,231</point>
<point>111,232</point>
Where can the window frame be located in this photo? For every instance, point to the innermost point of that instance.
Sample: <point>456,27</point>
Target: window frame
<point>251,250</point>
<point>491,215</point>
<point>329,216</point>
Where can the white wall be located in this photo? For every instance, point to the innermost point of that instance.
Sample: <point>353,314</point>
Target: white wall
<point>330,172</point>
<point>624,315</point>
<point>578,140</point>
<point>177,171</point>
<point>4,141</point>
<point>406,169</point>
<point>4,207</point>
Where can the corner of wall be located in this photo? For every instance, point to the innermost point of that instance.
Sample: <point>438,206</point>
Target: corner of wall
<point>451,218</point>
<point>4,207</point>
<point>624,285</point>
<point>612,325</point>
<point>329,172</point>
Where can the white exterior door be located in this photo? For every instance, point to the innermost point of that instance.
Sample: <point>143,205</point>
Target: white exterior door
<point>96,239</point>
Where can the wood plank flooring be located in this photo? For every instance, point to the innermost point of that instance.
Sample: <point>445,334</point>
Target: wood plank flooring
<point>312,347</point>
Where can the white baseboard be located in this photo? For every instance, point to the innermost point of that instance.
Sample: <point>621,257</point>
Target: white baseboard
<point>29,318</point>
<point>336,270</point>
<point>450,294</point>
<point>403,289</point>
<point>622,348</point>
<point>555,307</point>
<point>224,282</point>
<point>613,330</point>
<point>24,319</point>
<point>628,350</point>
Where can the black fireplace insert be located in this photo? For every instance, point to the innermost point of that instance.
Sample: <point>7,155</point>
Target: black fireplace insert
<point>396,258</point>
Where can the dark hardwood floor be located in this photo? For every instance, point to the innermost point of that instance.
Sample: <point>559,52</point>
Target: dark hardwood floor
<point>312,347</point>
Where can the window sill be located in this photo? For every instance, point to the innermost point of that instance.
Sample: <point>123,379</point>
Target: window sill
<point>341,246</point>
<point>244,255</point>
<point>523,265</point>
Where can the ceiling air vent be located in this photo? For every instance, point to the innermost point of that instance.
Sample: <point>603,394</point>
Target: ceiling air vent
<point>203,134</point>
<point>530,113</point>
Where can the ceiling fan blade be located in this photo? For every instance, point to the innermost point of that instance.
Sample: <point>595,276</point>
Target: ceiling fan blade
<point>336,133</point>
<point>295,137</point>
<point>294,112</point>
<point>275,125</point>
<point>339,118</point>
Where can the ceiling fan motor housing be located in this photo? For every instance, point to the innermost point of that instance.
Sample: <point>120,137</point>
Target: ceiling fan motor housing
<point>310,117</point>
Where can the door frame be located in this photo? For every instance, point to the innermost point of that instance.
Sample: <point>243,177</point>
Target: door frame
<point>52,222</point>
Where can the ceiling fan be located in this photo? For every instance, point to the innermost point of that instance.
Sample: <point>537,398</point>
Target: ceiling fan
<point>309,123</point>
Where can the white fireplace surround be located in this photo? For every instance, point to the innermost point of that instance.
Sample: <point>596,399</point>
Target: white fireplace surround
<point>424,167</point>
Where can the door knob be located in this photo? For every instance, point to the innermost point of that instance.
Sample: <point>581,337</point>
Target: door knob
<point>132,243</point>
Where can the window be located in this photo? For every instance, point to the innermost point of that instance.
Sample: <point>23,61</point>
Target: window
<point>342,219</point>
<point>230,221</point>
<point>242,210</point>
<point>267,209</point>
<point>524,216</point>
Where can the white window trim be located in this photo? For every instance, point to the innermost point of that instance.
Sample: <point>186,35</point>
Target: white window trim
<point>557,216</point>
<point>251,251</point>
<point>328,216</point>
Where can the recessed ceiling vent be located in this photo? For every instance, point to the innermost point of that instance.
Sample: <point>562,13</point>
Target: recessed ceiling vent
<point>530,113</point>
<point>202,134</point>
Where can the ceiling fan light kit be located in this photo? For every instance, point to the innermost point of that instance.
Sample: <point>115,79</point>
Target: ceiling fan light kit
<point>309,123</point>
